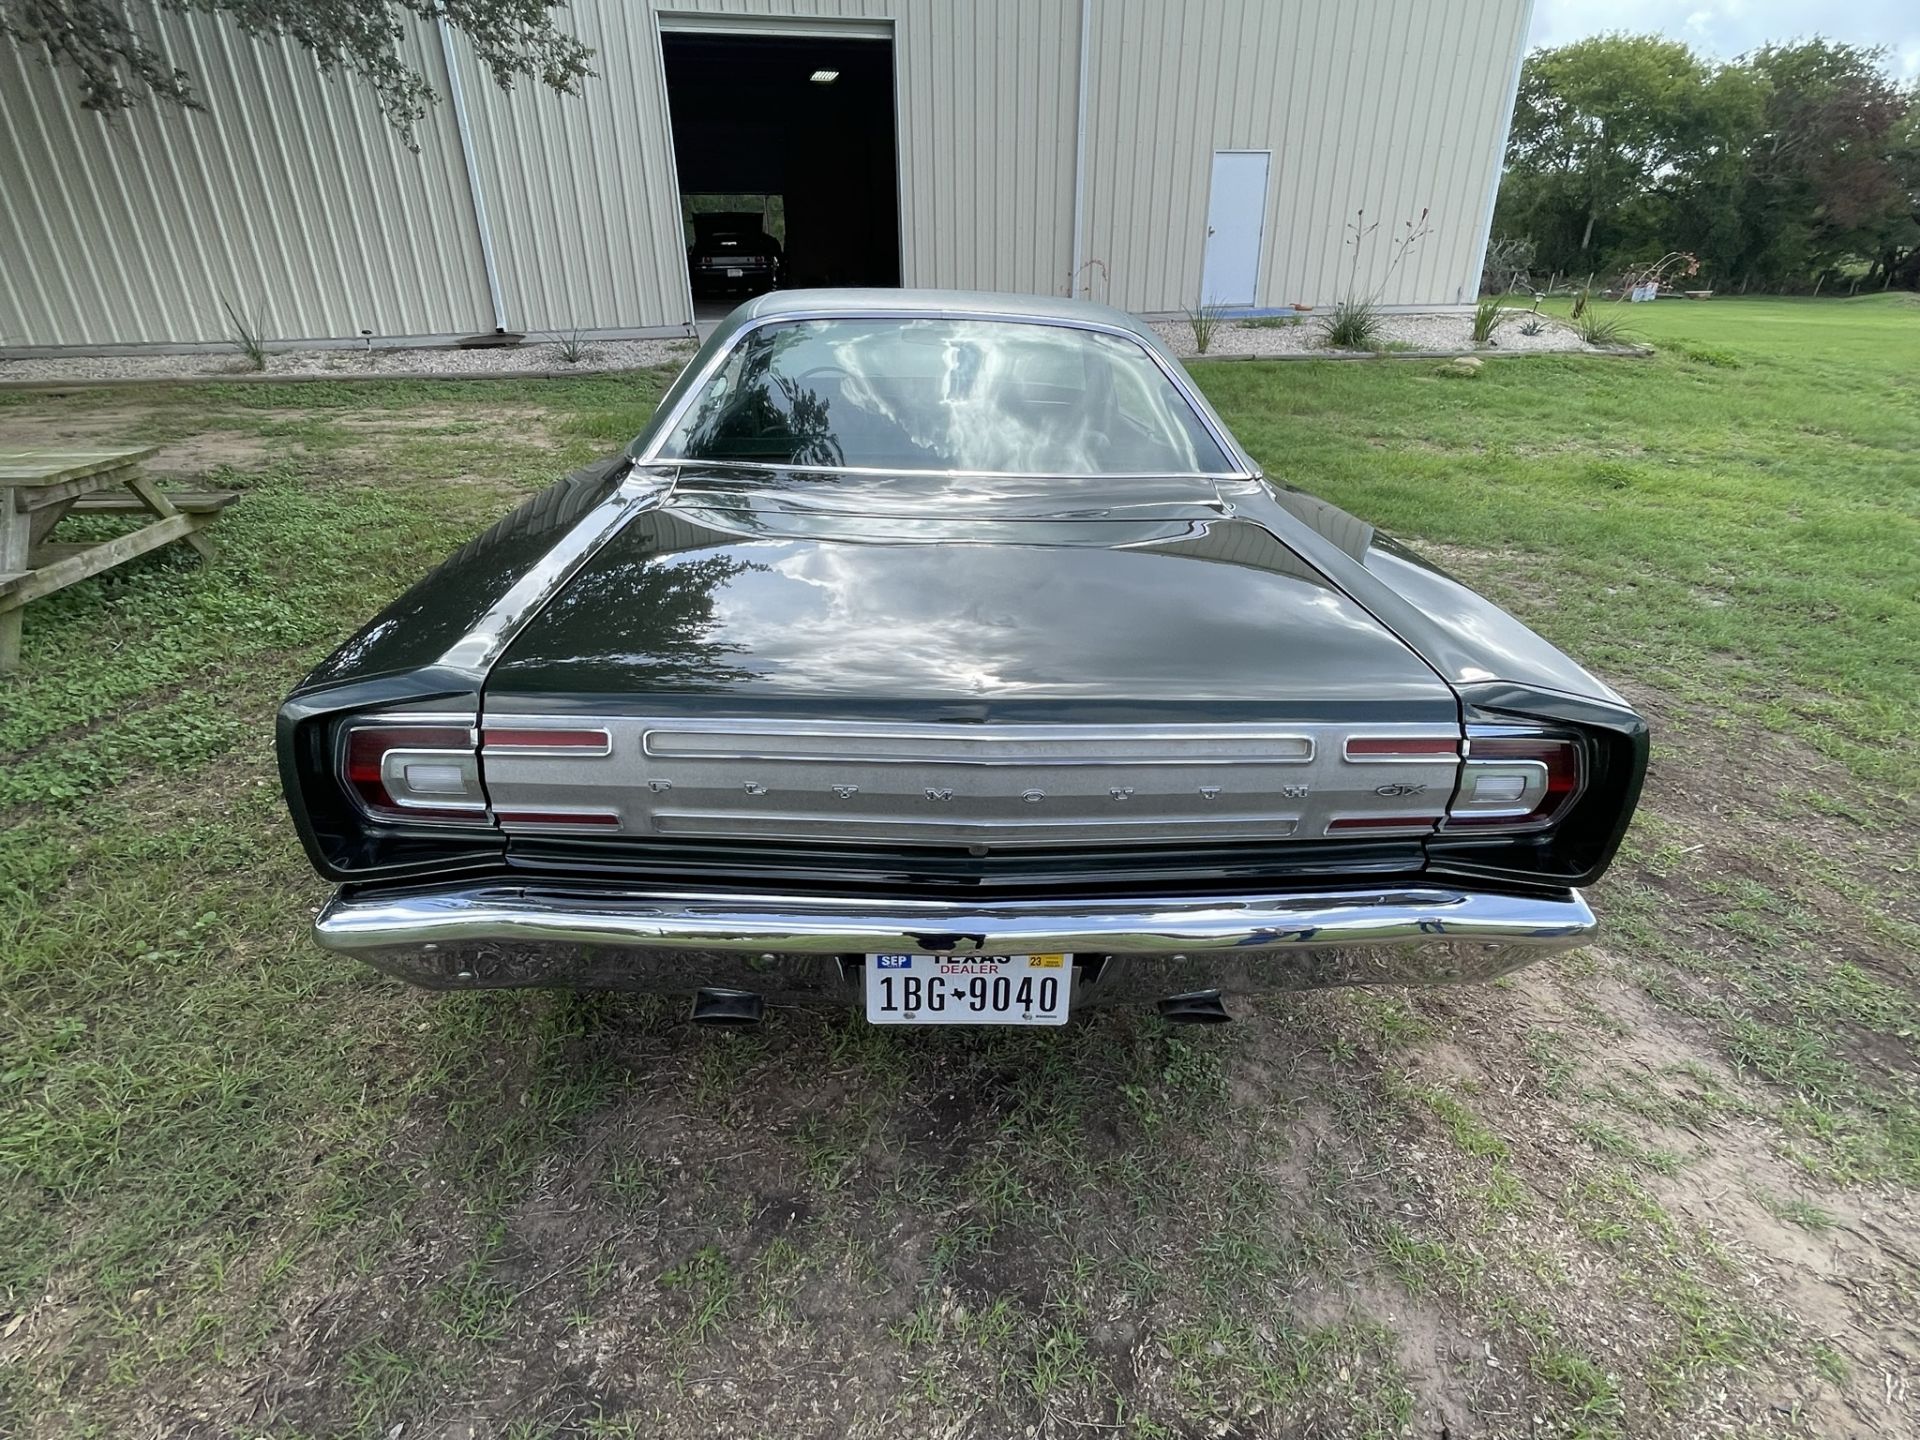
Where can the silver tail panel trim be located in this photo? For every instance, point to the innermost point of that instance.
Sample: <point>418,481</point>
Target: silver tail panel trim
<point>1001,785</point>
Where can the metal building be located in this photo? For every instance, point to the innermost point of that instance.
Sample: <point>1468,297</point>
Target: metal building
<point>1153,154</point>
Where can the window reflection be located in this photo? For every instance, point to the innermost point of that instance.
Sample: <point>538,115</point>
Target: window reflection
<point>990,397</point>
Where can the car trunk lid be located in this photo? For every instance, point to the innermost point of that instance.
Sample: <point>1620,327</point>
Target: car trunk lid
<point>961,661</point>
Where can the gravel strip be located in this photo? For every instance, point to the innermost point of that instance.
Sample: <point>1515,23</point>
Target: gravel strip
<point>601,356</point>
<point>1452,334</point>
<point>1448,333</point>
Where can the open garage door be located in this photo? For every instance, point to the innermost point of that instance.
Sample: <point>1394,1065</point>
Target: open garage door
<point>787,160</point>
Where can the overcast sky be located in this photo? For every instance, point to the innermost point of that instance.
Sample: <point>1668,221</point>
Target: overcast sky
<point>1725,28</point>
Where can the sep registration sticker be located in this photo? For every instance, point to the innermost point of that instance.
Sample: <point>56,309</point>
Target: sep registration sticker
<point>969,989</point>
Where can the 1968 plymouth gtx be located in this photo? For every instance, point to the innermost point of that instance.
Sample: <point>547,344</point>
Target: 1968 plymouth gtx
<point>944,654</point>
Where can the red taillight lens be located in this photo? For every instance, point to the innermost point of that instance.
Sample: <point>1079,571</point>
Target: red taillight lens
<point>414,772</point>
<point>560,819</point>
<point>1379,822</point>
<point>532,740</point>
<point>1400,747</point>
<point>1515,780</point>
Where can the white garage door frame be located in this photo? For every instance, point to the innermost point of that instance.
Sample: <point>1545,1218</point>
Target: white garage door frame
<point>789,27</point>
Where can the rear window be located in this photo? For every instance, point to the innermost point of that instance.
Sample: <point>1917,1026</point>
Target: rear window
<point>987,397</point>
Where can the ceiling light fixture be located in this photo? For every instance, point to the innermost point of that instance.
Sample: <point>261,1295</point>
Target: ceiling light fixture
<point>825,77</point>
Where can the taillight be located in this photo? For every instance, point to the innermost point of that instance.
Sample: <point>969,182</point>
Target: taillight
<point>1514,779</point>
<point>415,771</point>
<point>542,740</point>
<point>1401,747</point>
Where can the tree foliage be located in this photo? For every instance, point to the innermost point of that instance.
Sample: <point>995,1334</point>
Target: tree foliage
<point>1792,162</point>
<point>121,66</point>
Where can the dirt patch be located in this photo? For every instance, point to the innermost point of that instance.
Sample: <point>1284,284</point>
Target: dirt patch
<point>189,455</point>
<point>505,420</point>
<point>208,441</point>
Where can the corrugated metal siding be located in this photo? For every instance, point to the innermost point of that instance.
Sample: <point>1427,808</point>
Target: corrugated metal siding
<point>985,98</point>
<point>1386,106</point>
<point>288,195</point>
<point>580,190</point>
<point>293,191</point>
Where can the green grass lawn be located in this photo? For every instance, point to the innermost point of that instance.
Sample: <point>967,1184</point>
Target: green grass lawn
<point>244,1180</point>
<point>1736,523</point>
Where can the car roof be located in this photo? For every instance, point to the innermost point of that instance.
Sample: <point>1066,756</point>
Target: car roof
<point>937,304</point>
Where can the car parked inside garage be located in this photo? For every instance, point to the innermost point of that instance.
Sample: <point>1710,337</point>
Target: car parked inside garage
<point>732,252</point>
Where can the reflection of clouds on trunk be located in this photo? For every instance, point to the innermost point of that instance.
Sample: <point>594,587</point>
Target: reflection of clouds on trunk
<point>974,620</point>
<point>993,397</point>
<point>762,590</point>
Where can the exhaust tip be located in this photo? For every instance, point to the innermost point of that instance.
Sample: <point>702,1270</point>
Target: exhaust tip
<point>728,1007</point>
<point>1203,1007</point>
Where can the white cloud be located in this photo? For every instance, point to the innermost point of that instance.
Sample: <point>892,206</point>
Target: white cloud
<point>1726,28</point>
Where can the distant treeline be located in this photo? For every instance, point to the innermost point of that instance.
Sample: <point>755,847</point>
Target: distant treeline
<point>1793,167</point>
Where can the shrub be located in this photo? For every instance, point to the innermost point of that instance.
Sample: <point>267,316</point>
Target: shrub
<point>1601,328</point>
<point>572,346</point>
<point>1708,355</point>
<point>1488,316</point>
<point>1508,265</point>
<point>1356,320</point>
<point>1532,325</point>
<point>1353,325</point>
<point>1204,321</point>
<point>246,336</point>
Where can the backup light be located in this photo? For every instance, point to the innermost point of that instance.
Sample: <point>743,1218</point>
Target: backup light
<point>1515,780</point>
<point>414,772</point>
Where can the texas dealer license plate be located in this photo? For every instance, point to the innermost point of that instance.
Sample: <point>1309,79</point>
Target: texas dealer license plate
<point>969,989</point>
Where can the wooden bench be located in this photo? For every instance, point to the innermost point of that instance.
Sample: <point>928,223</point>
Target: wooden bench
<point>39,488</point>
<point>189,502</point>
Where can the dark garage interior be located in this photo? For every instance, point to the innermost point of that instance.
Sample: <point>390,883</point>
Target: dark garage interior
<point>750,120</point>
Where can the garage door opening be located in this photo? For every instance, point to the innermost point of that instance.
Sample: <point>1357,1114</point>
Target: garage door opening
<point>787,161</point>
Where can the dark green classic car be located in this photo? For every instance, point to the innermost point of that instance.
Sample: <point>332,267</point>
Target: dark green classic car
<point>943,653</point>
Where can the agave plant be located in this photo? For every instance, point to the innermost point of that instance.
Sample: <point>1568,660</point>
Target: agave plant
<point>1597,327</point>
<point>1353,325</point>
<point>1488,316</point>
<point>1204,322</point>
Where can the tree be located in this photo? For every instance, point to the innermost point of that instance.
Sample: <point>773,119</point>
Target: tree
<point>120,69</point>
<point>1825,180</point>
<point>1600,125</point>
<point>1783,166</point>
<point>1899,260</point>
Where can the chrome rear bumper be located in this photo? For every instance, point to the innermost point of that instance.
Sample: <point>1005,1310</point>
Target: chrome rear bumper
<point>789,948</point>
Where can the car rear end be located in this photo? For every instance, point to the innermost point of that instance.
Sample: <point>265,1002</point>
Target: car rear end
<point>956,745</point>
<point>732,253</point>
<point>766,857</point>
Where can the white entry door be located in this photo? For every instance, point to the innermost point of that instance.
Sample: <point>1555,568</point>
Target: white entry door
<point>1236,213</point>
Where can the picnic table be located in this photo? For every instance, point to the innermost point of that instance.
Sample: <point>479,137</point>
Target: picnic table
<point>39,488</point>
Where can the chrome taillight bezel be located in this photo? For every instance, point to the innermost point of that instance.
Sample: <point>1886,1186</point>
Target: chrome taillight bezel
<point>1549,766</point>
<point>372,756</point>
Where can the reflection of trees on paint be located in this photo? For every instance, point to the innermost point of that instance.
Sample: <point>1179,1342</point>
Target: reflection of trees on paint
<point>763,416</point>
<point>652,618</point>
<point>422,624</point>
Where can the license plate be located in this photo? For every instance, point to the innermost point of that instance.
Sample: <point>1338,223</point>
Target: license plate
<point>734,272</point>
<point>969,989</point>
